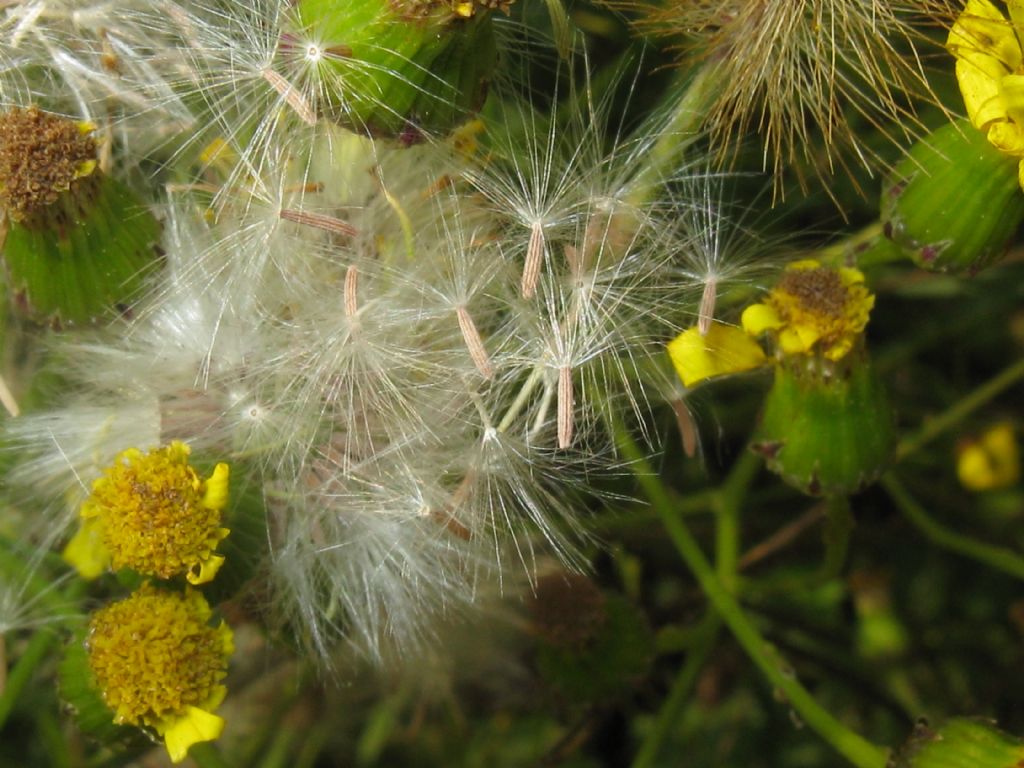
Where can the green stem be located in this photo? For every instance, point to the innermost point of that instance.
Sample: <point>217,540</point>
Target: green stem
<point>839,525</point>
<point>20,676</point>
<point>679,696</point>
<point>851,745</point>
<point>844,252</point>
<point>963,408</point>
<point>880,251</point>
<point>680,130</point>
<point>995,557</point>
<point>728,503</point>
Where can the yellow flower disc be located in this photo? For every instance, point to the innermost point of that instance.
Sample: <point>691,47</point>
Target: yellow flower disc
<point>157,516</point>
<point>158,663</point>
<point>813,308</point>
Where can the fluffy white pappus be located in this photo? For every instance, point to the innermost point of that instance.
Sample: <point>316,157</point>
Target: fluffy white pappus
<point>61,451</point>
<point>367,554</point>
<point>719,247</point>
<point>361,361</point>
<point>254,247</point>
<point>29,586</point>
<point>265,77</point>
<point>536,184</point>
<point>99,61</point>
<point>516,498</point>
<point>574,206</point>
<point>545,172</point>
<point>231,61</point>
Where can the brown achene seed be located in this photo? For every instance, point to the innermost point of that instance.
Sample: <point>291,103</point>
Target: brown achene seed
<point>40,155</point>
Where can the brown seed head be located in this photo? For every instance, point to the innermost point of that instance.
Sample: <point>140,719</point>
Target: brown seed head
<point>40,156</point>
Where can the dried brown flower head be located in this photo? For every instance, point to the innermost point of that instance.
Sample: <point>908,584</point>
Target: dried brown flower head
<point>40,156</point>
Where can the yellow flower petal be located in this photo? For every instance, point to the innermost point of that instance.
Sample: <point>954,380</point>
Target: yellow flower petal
<point>797,340</point>
<point>725,349</point>
<point>987,49</point>
<point>1006,136</point>
<point>983,29</point>
<point>850,276</point>
<point>1011,89</point>
<point>85,168</point>
<point>758,318</point>
<point>980,90</point>
<point>1016,8</point>
<point>195,726</point>
<point>839,350</point>
<point>216,494</point>
<point>86,551</point>
<point>204,571</point>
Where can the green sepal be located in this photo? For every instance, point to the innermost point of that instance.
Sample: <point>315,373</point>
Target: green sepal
<point>85,257</point>
<point>618,655</point>
<point>960,743</point>
<point>399,77</point>
<point>79,692</point>
<point>954,202</point>
<point>827,431</point>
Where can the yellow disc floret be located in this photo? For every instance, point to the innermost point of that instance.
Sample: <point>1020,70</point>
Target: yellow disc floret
<point>813,308</point>
<point>152,513</point>
<point>158,663</point>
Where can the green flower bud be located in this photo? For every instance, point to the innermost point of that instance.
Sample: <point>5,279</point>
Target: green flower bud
<point>954,202</point>
<point>960,743</point>
<point>826,430</point>
<point>403,67</point>
<point>76,242</point>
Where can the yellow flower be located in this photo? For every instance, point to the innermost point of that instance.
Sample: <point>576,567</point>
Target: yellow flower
<point>158,664</point>
<point>990,462</point>
<point>723,350</point>
<point>989,70</point>
<point>152,513</point>
<point>813,309</point>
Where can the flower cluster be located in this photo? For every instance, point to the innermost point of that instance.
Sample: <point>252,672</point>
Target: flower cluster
<point>401,326</point>
<point>825,425</point>
<point>152,513</point>
<point>159,663</point>
<point>814,311</point>
<point>154,657</point>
